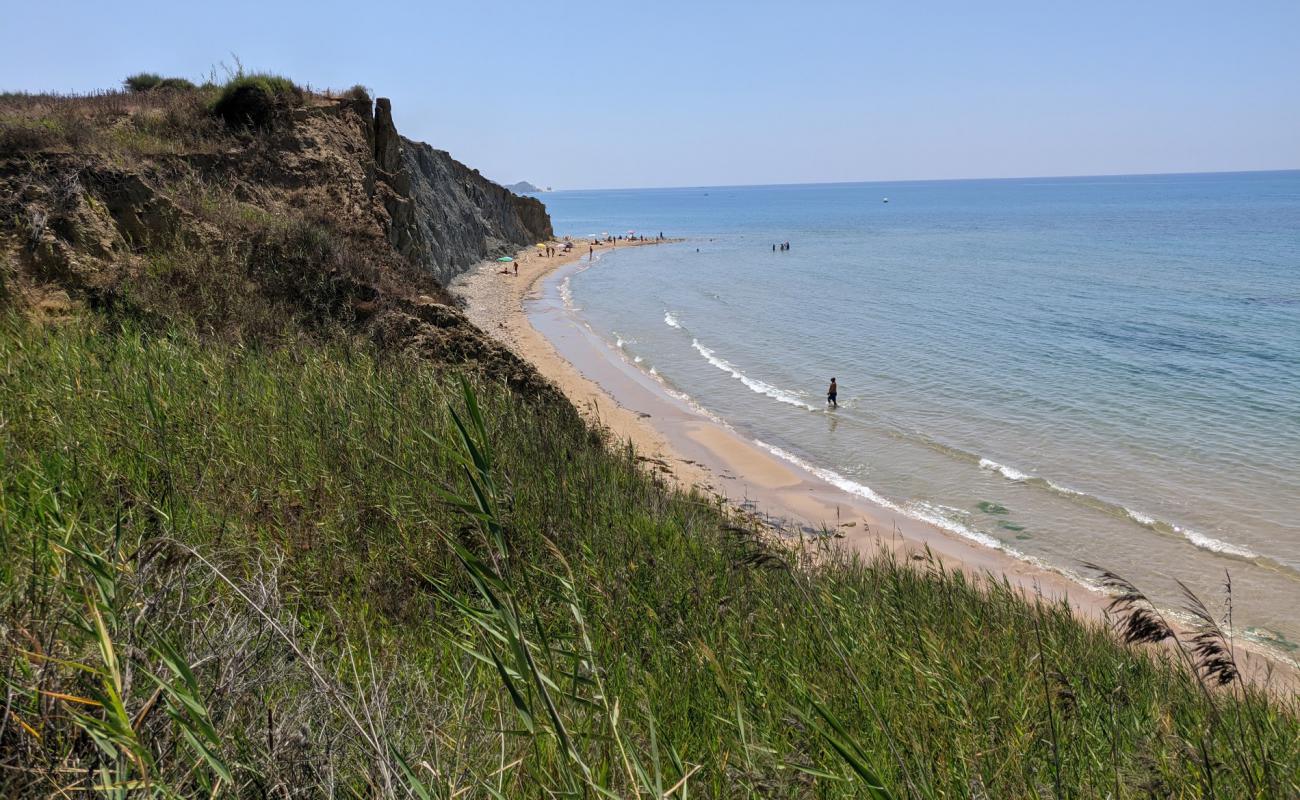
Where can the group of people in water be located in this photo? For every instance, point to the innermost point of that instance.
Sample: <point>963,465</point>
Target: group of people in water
<point>614,240</point>
<point>781,246</point>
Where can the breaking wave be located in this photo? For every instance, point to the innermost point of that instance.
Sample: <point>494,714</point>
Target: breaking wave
<point>755,385</point>
<point>1195,538</point>
<point>1010,473</point>
<point>919,510</point>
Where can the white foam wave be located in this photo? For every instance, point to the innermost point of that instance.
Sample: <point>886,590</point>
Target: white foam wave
<point>1013,474</point>
<point>1010,473</point>
<point>922,511</point>
<point>1209,543</point>
<point>755,385</point>
<point>670,320</point>
<point>1140,518</point>
<point>927,512</point>
<point>566,294</point>
<point>1056,487</point>
<point>636,359</point>
<point>1196,538</point>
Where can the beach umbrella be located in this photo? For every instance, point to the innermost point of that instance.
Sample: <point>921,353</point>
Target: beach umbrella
<point>505,259</point>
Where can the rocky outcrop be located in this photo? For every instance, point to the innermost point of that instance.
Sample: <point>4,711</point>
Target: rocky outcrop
<point>445,216</point>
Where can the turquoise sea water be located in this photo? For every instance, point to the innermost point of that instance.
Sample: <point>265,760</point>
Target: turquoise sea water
<point>1072,369</point>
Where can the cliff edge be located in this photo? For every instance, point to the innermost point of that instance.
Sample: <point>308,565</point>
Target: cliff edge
<point>253,218</point>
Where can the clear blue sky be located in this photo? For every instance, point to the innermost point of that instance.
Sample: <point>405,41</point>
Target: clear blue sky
<point>587,94</point>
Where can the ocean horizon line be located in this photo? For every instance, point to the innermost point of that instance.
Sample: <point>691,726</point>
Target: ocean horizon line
<point>915,181</point>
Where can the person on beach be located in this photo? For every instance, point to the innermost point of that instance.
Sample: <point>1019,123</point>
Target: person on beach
<point>516,269</point>
<point>591,252</point>
<point>831,393</point>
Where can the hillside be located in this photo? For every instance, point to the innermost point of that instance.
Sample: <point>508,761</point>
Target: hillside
<point>134,199</point>
<point>278,521</point>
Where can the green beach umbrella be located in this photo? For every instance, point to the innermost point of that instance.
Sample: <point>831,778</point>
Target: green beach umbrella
<point>505,259</point>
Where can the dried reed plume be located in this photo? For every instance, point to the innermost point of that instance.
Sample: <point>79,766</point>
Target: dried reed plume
<point>1211,647</point>
<point>1139,622</point>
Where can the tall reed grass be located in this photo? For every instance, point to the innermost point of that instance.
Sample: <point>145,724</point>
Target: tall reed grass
<point>317,569</point>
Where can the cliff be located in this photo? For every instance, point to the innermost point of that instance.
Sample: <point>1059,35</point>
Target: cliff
<point>315,211</point>
<point>444,215</point>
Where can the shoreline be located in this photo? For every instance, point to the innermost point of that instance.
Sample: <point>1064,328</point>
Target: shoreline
<point>695,450</point>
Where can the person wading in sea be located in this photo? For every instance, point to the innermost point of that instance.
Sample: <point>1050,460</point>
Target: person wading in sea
<point>831,393</point>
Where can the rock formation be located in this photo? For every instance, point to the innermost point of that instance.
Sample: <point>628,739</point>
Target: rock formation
<point>444,215</point>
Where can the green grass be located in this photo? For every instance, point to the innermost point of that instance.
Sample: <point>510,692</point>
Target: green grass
<point>244,571</point>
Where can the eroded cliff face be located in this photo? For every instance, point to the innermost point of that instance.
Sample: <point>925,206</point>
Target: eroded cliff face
<point>339,159</point>
<point>443,215</point>
<point>326,219</point>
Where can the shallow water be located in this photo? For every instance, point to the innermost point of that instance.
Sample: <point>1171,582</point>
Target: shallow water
<point>1080,369</point>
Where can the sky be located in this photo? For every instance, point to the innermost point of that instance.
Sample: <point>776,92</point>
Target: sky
<point>641,94</point>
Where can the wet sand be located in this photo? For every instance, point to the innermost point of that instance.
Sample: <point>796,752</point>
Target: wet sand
<point>694,450</point>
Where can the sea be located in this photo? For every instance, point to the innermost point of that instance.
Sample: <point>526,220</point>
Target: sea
<point>1082,370</point>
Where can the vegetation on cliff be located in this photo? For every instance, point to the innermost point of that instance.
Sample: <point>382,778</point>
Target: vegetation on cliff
<point>275,520</point>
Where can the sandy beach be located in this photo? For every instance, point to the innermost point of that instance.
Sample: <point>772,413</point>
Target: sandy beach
<point>693,450</point>
<point>495,302</point>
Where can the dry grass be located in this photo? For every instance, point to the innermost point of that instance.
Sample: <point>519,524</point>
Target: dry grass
<point>114,124</point>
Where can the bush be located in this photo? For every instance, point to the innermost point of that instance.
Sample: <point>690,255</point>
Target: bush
<point>253,101</point>
<point>142,81</point>
<point>176,83</point>
<point>149,81</point>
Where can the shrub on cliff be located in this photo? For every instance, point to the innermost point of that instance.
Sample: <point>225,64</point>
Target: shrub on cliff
<point>253,101</point>
<point>149,81</point>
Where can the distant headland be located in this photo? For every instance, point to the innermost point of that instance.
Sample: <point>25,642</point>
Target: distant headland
<point>524,187</point>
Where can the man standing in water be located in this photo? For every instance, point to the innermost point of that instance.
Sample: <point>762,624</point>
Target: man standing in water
<point>830,395</point>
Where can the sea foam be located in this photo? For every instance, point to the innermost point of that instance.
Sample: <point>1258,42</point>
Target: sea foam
<point>1010,473</point>
<point>1145,520</point>
<point>925,512</point>
<point>1215,545</point>
<point>755,385</point>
